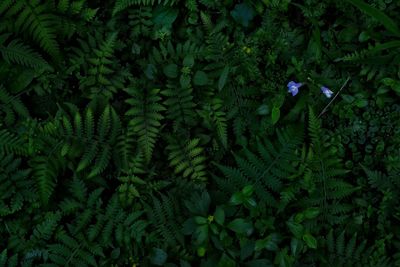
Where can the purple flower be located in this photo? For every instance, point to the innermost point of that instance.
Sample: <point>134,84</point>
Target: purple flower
<point>325,90</point>
<point>293,87</point>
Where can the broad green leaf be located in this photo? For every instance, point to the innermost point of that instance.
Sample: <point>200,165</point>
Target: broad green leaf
<point>243,14</point>
<point>395,85</point>
<point>275,115</point>
<point>267,243</point>
<point>248,190</point>
<point>200,220</point>
<point>189,226</point>
<point>296,245</point>
<point>200,78</point>
<point>164,16</point>
<point>386,21</point>
<point>296,229</point>
<point>311,213</point>
<point>158,257</point>
<point>283,259</point>
<point>299,217</point>
<point>219,215</point>
<point>201,251</point>
<point>348,98</point>
<point>311,242</point>
<point>361,103</point>
<point>150,71</point>
<point>263,110</point>
<point>241,226</point>
<point>171,70</point>
<point>236,199</point>
<point>188,61</point>
<point>226,261</point>
<point>201,234</point>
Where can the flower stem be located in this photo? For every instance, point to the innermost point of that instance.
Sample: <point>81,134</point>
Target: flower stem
<point>326,107</point>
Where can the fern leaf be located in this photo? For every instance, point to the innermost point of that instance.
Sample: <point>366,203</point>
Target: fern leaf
<point>45,172</point>
<point>10,142</point>
<point>17,52</point>
<point>187,159</point>
<point>145,118</point>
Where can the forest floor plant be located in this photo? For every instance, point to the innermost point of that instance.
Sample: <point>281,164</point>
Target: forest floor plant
<point>212,133</point>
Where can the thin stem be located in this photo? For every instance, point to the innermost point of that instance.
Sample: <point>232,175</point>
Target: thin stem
<point>333,99</point>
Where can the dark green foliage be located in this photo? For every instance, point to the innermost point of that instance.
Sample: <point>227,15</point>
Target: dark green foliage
<point>187,159</point>
<point>162,133</point>
<point>267,170</point>
<point>145,118</point>
<point>323,172</point>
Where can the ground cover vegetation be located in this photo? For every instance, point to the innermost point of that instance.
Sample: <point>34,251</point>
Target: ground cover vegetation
<point>199,133</point>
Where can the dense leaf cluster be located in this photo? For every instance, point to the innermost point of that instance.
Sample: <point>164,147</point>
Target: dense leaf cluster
<point>161,133</point>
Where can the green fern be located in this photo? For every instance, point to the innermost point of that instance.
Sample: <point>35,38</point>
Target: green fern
<point>95,63</point>
<point>325,170</point>
<point>187,159</point>
<point>34,18</point>
<point>45,173</point>
<point>72,15</point>
<point>127,156</point>
<point>215,119</point>
<point>267,170</point>
<point>73,251</point>
<point>19,53</point>
<point>45,230</point>
<point>162,216</point>
<point>11,106</point>
<point>16,187</point>
<point>145,118</point>
<point>12,143</point>
<point>6,261</point>
<point>180,105</point>
<point>121,5</point>
<point>140,21</point>
<point>341,252</point>
<point>382,181</point>
<point>97,140</point>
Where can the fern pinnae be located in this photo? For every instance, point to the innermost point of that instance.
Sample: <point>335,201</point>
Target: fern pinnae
<point>145,113</point>
<point>17,52</point>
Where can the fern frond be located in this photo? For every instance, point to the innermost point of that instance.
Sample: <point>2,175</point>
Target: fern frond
<point>180,105</point>
<point>19,53</point>
<point>121,5</point>
<point>140,21</point>
<point>268,169</point>
<point>11,106</point>
<point>6,261</point>
<point>127,156</point>
<point>45,229</point>
<point>343,252</point>
<point>12,143</point>
<point>377,179</point>
<point>325,170</point>
<point>215,119</point>
<point>162,217</point>
<point>36,19</point>
<point>97,139</point>
<point>145,118</point>
<point>187,159</point>
<point>45,173</point>
<point>16,187</point>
